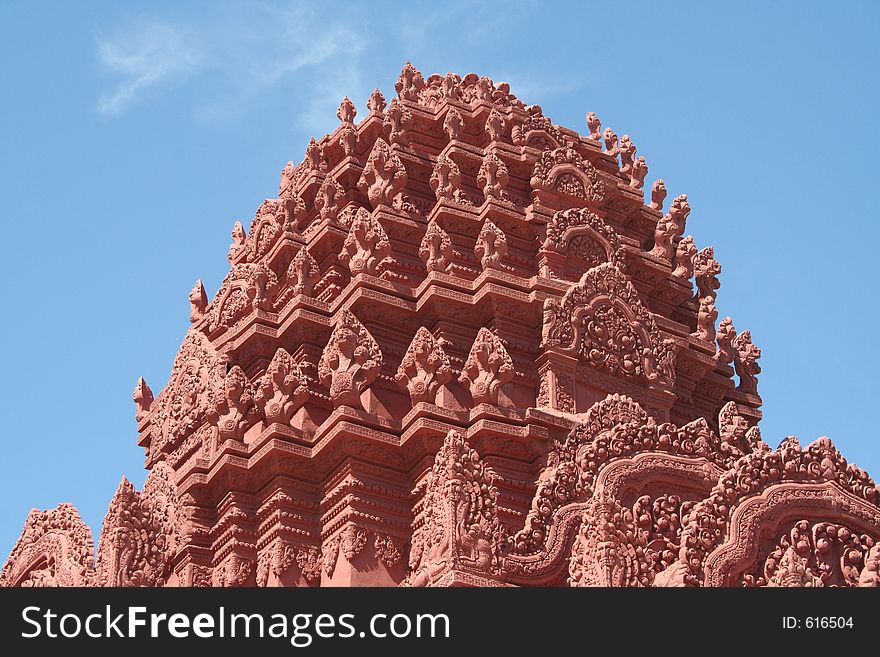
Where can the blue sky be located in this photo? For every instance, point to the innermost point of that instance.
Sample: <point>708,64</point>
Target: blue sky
<point>133,138</point>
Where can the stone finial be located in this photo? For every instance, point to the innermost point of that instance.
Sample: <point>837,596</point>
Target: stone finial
<point>495,125</point>
<point>314,156</point>
<point>285,184</point>
<point>232,406</point>
<point>238,238</point>
<point>282,389</point>
<point>384,175</point>
<point>725,337</point>
<point>746,355</point>
<point>487,368</point>
<point>143,399</point>
<point>594,125</point>
<point>684,258</point>
<point>663,235</point>
<point>610,139</point>
<point>409,83</point>
<point>376,102</point>
<point>453,124</point>
<point>397,122</point>
<point>302,273</point>
<point>450,87</point>
<point>347,111</point>
<point>491,245</point>
<point>706,270</point>
<point>198,302</point>
<point>679,211</point>
<point>446,180</point>
<point>627,155</point>
<point>492,177</point>
<point>366,245</point>
<point>328,199</point>
<point>658,195</point>
<point>436,249</point>
<point>350,362</point>
<point>484,88</point>
<point>424,368</point>
<point>639,171</point>
<point>706,316</point>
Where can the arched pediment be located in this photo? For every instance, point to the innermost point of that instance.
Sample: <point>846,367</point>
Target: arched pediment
<point>603,323</point>
<point>563,171</point>
<point>55,549</point>
<point>141,532</point>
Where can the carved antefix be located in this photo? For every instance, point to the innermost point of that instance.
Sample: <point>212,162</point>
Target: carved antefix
<point>461,530</point>
<point>282,389</point>
<point>487,368</point>
<point>436,249</point>
<point>384,175</point>
<point>424,368</point>
<point>350,362</point>
<point>366,245</point>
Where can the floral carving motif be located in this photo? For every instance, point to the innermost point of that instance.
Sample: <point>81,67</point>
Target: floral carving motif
<point>436,248</point>
<point>387,550</point>
<point>275,560</point>
<point>491,245</point>
<point>384,175</point>
<point>487,368</point>
<point>537,132</point>
<point>602,319</point>
<point>366,245</point>
<point>461,528</point>
<point>424,368</point>
<point>282,389</point>
<point>235,570</point>
<point>350,362</point>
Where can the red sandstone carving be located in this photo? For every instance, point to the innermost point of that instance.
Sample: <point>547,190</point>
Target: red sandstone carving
<point>448,305</point>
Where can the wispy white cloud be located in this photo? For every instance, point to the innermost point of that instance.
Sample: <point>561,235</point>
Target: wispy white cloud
<point>144,55</point>
<point>235,58</point>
